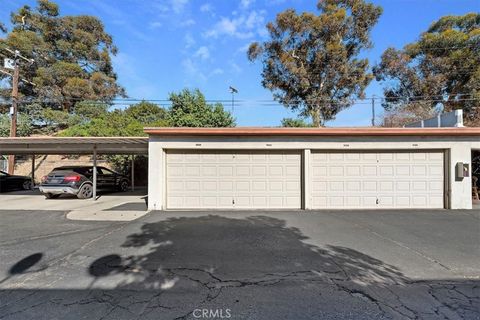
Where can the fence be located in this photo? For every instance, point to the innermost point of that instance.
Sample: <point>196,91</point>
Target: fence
<point>449,119</point>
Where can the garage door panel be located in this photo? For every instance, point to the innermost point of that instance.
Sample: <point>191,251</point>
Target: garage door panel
<point>402,156</point>
<point>319,171</point>
<point>192,170</point>
<point>352,156</point>
<point>403,202</point>
<point>242,186</point>
<point>209,171</point>
<point>292,202</point>
<point>386,186</point>
<point>353,171</point>
<point>435,170</point>
<point>233,179</point>
<point>225,185</point>
<point>209,201</point>
<point>354,201</point>
<point>292,185</point>
<point>259,186</point>
<point>319,157</point>
<point>385,170</point>
<point>419,170</point>
<point>402,186</point>
<point>369,201</point>
<point>210,186</point>
<point>377,179</point>
<point>369,171</point>
<point>353,186</point>
<point>276,186</point>
<point>386,201</point>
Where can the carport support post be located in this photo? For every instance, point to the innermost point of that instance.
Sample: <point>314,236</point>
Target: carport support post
<point>133,172</point>
<point>33,171</point>
<point>95,173</point>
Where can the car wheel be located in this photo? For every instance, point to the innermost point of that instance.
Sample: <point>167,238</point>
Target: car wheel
<point>85,192</point>
<point>124,185</point>
<point>51,196</point>
<point>27,185</point>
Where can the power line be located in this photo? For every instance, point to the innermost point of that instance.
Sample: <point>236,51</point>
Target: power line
<point>106,100</point>
<point>266,103</point>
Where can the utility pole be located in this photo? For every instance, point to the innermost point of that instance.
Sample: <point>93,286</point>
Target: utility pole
<point>373,111</point>
<point>233,91</point>
<point>14,107</point>
<point>13,111</point>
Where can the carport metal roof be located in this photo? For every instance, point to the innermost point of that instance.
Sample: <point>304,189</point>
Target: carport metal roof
<point>74,145</point>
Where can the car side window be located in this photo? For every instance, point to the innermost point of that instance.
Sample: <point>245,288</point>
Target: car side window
<point>105,171</point>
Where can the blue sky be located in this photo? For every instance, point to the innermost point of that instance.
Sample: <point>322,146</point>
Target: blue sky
<point>166,45</point>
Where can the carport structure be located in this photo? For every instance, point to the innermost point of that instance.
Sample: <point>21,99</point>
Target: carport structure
<point>75,146</point>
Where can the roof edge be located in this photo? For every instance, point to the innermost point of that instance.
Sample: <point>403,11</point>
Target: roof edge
<point>257,131</point>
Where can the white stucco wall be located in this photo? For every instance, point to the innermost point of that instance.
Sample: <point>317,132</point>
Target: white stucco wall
<point>458,149</point>
<point>156,169</point>
<point>460,189</point>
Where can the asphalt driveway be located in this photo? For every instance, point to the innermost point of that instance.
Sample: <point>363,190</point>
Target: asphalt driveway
<point>241,265</point>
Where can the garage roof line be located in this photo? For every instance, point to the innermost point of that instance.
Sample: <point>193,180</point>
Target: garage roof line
<point>257,131</point>
<point>74,145</point>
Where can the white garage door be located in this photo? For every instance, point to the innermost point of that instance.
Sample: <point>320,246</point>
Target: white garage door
<point>377,180</point>
<point>233,179</point>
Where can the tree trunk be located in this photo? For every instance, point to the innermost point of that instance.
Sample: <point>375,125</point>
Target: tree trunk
<point>315,114</point>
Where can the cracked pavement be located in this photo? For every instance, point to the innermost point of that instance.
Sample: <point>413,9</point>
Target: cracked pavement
<point>259,265</point>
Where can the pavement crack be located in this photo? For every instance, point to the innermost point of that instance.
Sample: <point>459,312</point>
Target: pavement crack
<point>417,252</point>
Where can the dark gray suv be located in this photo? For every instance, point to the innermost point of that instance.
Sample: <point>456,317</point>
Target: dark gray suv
<point>77,180</point>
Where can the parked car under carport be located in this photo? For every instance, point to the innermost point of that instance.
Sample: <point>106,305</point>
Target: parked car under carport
<point>94,146</point>
<point>9,182</point>
<point>77,180</point>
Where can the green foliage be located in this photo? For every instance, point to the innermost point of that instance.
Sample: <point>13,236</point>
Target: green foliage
<point>295,123</point>
<point>114,123</point>
<point>72,56</point>
<point>146,112</point>
<point>128,122</point>
<point>311,62</point>
<point>189,109</point>
<point>24,127</point>
<point>88,110</point>
<point>436,71</point>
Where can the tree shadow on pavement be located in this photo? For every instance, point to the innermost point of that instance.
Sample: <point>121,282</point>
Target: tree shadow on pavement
<point>258,267</point>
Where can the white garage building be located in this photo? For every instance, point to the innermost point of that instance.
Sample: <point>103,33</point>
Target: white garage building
<point>310,168</point>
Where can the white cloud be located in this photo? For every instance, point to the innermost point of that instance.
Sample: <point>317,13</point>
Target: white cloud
<point>246,3</point>
<point>242,26</point>
<point>164,7</point>
<point>155,24</point>
<point>178,5</point>
<point>217,71</point>
<point>254,19</point>
<point>235,67</point>
<point>192,70</point>
<point>187,23</point>
<point>189,41</point>
<point>202,53</point>
<point>207,7</point>
<point>243,49</point>
<point>139,87</point>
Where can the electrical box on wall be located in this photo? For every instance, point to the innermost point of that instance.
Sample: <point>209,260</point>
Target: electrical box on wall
<point>462,170</point>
